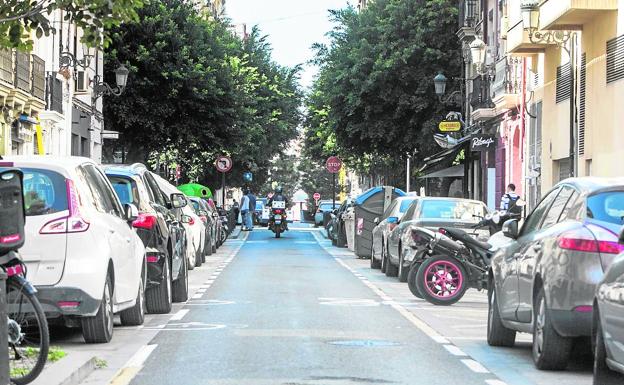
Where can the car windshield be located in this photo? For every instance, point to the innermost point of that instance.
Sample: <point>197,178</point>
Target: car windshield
<point>607,207</point>
<point>126,189</point>
<point>44,192</point>
<point>451,209</point>
<point>405,204</point>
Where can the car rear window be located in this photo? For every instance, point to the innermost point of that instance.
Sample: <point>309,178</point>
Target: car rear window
<point>607,207</point>
<point>126,189</point>
<point>465,211</point>
<point>325,206</point>
<point>45,192</point>
<point>405,204</point>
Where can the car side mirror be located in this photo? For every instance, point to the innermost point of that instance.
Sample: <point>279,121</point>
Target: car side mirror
<point>177,200</point>
<point>131,212</point>
<point>186,219</point>
<point>376,221</point>
<point>621,238</point>
<point>510,228</point>
<point>393,220</point>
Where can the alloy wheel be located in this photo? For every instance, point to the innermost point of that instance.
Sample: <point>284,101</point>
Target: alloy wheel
<point>540,321</point>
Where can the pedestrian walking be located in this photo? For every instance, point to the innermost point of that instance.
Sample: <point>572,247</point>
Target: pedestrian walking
<point>252,209</point>
<point>244,210</point>
<point>235,210</point>
<point>510,199</point>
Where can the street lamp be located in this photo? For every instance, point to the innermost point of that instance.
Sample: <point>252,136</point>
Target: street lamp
<point>67,59</point>
<point>440,84</point>
<point>101,88</point>
<point>478,50</point>
<point>455,98</point>
<point>531,20</point>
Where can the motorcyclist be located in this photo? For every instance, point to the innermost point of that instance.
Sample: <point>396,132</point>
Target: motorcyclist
<point>278,196</point>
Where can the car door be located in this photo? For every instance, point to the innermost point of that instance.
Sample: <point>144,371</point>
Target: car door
<point>612,310</point>
<point>123,240</point>
<point>509,296</point>
<point>380,229</point>
<point>394,236</point>
<point>533,250</point>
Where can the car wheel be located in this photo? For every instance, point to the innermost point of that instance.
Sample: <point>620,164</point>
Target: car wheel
<point>179,290</point>
<point>374,262</point>
<point>497,333</point>
<point>391,270</point>
<point>602,374</point>
<point>402,271</point>
<point>550,350</point>
<point>411,280</point>
<point>99,328</point>
<point>198,258</point>
<point>135,315</point>
<point>158,299</point>
<point>441,280</point>
<point>208,248</point>
<point>191,261</point>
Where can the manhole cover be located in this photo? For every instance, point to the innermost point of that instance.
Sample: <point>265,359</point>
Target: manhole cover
<point>364,343</point>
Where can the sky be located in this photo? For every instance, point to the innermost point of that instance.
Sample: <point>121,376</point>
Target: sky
<point>292,26</point>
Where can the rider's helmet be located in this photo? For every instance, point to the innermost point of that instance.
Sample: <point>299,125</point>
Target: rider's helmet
<point>278,190</point>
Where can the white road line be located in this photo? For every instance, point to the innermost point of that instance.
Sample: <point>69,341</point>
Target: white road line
<point>474,366</point>
<point>441,340</point>
<point>179,315</point>
<point>198,296</point>
<point>141,356</point>
<point>202,291</point>
<point>495,382</point>
<point>454,350</point>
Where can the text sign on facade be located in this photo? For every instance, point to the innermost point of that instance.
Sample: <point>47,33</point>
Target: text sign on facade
<point>483,142</point>
<point>448,126</point>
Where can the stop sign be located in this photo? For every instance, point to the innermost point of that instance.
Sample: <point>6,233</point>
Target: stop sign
<point>316,196</point>
<point>333,164</point>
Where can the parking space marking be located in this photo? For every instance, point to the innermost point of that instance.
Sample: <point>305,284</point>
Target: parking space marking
<point>197,296</point>
<point>454,350</point>
<point>179,315</point>
<point>495,382</point>
<point>474,365</point>
<point>133,366</point>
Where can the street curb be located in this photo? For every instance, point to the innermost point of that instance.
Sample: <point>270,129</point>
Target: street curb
<point>235,233</point>
<point>71,370</point>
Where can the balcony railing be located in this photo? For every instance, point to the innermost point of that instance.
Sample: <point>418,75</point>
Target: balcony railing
<point>508,78</point>
<point>38,77</point>
<point>54,94</point>
<point>6,66</point>
<point>468,13</point>
<point>22,71</point>
<point>480,96</point>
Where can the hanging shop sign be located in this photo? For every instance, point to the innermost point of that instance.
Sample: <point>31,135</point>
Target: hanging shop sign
<point>483,142</point>
<point>449,126</point>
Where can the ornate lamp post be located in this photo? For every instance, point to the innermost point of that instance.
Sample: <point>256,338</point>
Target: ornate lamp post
<point>67,59</point>
<point>101,88</point>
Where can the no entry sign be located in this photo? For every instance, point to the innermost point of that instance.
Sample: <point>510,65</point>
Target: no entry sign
<point>316,196</point>
<point>333,164</point>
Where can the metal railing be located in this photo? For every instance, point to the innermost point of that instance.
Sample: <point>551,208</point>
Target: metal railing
<point>480,96</point>
<point>468,13</point>
<point>508,76</point>
<point>6,66</point>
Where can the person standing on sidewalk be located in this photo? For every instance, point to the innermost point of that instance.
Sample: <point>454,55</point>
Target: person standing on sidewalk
<point>244,210</point>
<point>252,209</point>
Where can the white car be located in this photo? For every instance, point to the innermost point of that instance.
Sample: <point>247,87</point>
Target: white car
<point>81,251</point>
<point>195,229</point>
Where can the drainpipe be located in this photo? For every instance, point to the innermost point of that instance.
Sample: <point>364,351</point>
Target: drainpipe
<point>523,120</point>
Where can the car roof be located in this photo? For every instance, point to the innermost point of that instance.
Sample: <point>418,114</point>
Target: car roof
<point>591,184</point>
<point>125,169</point>
<point>46,162</point>
<point>449,199</point>
<point>407,198</point>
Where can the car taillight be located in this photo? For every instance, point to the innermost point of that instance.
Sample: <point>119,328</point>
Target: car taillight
<point>191,221</point>
<point>74,222</point>
<point>277,211</point>
<point>145,221</point>
<point>590,245</point>
<point>203,218</point>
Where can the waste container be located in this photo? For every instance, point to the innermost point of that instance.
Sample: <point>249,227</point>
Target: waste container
<point>368,206</point>
<point>349,224</point>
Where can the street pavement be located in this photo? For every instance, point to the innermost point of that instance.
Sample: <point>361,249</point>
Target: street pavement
<point>295,311</point>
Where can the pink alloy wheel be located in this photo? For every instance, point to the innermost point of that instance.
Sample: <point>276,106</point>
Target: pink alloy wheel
<point>443,279</point>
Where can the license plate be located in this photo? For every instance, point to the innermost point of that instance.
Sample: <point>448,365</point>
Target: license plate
<point>278,217</point>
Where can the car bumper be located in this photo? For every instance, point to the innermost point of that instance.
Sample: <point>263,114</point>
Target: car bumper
<point>155,270</point>
<point>571,323</point>
<point>66,301</point>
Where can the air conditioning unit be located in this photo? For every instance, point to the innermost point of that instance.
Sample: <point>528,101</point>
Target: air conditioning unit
<point>82,81</point>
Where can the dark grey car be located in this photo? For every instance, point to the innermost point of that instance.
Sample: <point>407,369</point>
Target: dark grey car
<point>543,282</point>
<point>609,325</point>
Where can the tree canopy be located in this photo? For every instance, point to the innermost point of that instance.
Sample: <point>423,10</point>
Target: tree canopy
<point>196,91</point>
<point>374,101</point>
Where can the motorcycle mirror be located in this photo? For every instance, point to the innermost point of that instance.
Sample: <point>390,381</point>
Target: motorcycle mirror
<point>376,221</point>
<point>510,229</point>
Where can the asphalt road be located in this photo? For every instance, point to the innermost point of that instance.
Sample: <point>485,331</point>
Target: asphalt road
<point>285,311</point>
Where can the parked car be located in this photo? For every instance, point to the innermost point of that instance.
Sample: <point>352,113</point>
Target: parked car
<point>72,207</point>
<point>544,281</point>
<point>388,221</point>
<point>202,210</point>
<point>193,226</point>
<point>608,326</point>
<point>432,213</point>
<point>217,221</point>
<point>259,219</point>
<point>336,229</point>
<point>323,207</point>
<point>161,232</point>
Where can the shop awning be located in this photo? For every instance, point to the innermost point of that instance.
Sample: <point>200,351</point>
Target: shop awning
<point>451,172</point>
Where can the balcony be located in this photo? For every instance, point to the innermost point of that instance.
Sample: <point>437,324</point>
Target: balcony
<point>518,42</point>
<point>22,81</point>
<point>572,14</point>
<point>507,84</point>
<point>469,17</point>
<point>6,67</point>
<point>480,100</point>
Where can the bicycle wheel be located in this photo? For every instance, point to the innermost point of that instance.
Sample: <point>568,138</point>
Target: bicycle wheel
<point>29,340</point>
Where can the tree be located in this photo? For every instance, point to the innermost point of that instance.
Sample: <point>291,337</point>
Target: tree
<point>18,18</point>
<point>374,96</point>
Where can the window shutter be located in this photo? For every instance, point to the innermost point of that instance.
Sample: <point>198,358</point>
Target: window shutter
<point>563,83</point>
<point>581,128</point>
<point>615,59</point>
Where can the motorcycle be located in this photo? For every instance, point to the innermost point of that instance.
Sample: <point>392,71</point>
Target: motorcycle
<point>224,222</point>
<point>28,335</point>
<point>452,260</point>
<point>277,220</point>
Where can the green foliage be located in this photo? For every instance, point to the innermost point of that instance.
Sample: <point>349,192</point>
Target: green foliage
<point>196,91</point>
<point>20,18</point>
<point>374,101</point>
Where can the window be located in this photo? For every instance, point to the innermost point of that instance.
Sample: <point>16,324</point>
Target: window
<point>607,207</point>
<point>158,195</point>
<point>564,81</point>
<point>458,210</point>
<point>532,222</point>
<point>102,191</point>
<point>572,208</point>
<point>405,204</point>
<point>126,190</point>
<point>556,209</point>
<point>44,192</point>
<point>615,59</point>
<point>562,169</point>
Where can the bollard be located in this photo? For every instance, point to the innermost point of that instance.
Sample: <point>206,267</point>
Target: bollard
<point>4,333</point>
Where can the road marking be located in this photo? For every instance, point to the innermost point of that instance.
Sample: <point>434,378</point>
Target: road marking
<point>441,340</point>
<point>495,382</point>
<point>454,350</point>
<point>474,366</point>
<point>348,302</point>
<point>133,366</point>
<point>197,296</point>
<point>179,315</point>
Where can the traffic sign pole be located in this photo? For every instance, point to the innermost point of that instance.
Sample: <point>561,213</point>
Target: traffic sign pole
<point>223,190</point>
<point>333,191</point>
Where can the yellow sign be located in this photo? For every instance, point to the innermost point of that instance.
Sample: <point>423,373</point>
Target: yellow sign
<point>446,126</point>
<point>39,132</point>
